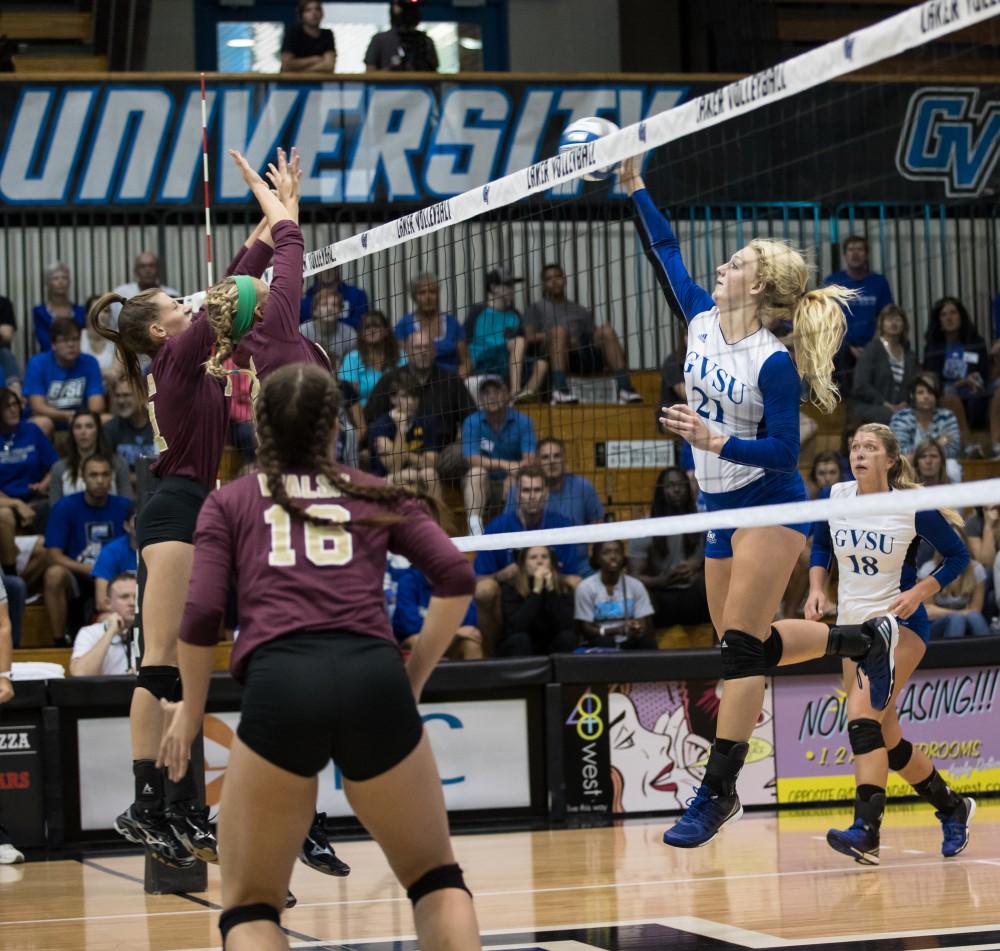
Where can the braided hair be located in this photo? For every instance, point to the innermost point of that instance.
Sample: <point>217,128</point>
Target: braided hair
<point>220,311</point>
<point>297,414</point>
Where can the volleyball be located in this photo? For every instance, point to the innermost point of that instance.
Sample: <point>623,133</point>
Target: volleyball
<point>588,130</point>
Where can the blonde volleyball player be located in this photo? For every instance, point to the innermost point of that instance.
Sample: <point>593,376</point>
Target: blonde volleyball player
<point>878,575</point>
<point>742,422</point>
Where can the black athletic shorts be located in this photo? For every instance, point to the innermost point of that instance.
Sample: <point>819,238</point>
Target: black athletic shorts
<point>313,696</point>
<point>587,359</point>
<point>171,513</point>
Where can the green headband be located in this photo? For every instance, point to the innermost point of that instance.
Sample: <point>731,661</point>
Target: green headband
<point>245,306</point>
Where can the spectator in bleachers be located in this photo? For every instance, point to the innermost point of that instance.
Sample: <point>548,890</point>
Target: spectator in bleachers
<point>536,608</point>
<point>101,349</point>
<point>86,438</point>
<point>884,369</point>
<point>402,443</point>
<point>413,595</point>
<point>672,387</point>
<point>353,429</point>
<point>824,472</point>
<point>377,353</point>
<point>451,352</point>
<point>924,419</point>
<point>104,649</point>
<point>242,432</point>
<point>672,567</point>
<point>402,48</point>
<point>79,526</point>
<point>574,342</point>
<point>146,270</point>
<point>956,353</point>
<point>982,533</point>
<point>305,48</point>
<point>14,591</point>
<point>495,335</point>
<point>8,322</point>
<point>129,431</point>
<point>119,557</point>
<point>353,301</point>
<point>929,463</point>
<point>494,567</point>
<point>62,381</point>
<point>613,609</point>
<point>328,327</point>
<point>26,456</point>
<point>10,371</point>
<point>874,294</point>
<point>496,442</point>
<point>57,304</point>
<point>957,610</point>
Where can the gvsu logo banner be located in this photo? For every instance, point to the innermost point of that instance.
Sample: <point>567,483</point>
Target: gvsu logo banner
<point>73,144</point>
<point>950,136</point>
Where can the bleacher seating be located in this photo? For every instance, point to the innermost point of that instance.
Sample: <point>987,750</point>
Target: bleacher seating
<point>52,40</point>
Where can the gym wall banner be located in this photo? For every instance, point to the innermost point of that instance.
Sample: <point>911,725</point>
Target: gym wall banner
<point>22,800</point>
<point>481,749</point>
<point>643,747</point>
<point>137,142</point>
<point>951,714</point>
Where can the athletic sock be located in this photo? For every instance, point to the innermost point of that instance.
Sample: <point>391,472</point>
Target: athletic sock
<point>938,793</point>
<point>148,785</point>
<point>869,804</point>
<point>848,640</point>
<point>623,380</point>
<point>559,379</point>
<point>724,764</point>
<point>184,791</point>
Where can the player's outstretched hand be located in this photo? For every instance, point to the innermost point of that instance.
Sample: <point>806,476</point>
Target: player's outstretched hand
<point>628,174</point>
<point>175,747</point>
<point>250,176</point>
<point>282,179</point>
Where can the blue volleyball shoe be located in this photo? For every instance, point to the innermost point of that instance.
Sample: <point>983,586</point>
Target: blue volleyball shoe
<point>955,827</point>
<point>879,664</point>
<point>860,842</point>
<point>706,815</point>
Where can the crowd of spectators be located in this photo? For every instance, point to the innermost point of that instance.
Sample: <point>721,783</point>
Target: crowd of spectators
<point>430,401</point>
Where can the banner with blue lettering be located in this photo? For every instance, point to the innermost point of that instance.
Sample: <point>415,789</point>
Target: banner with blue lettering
<point>137,142</point>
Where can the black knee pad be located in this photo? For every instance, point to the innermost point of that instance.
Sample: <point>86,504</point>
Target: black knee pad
<point>162,682</point>
<point>743,655</point>
<point>444,876</point>
<point>241,914</point>
<point>774,647</point>
<point>900,755</point>
<point>865,736</point>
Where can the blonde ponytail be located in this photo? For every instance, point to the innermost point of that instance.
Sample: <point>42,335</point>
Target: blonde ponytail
<point>220,311</point>
<point>818,323</point>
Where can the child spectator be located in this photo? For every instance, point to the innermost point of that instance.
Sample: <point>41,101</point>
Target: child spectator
<point>929,462</point>
<point>377,353</point>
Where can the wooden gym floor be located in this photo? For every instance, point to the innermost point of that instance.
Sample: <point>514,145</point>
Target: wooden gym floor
<point>767,882</point>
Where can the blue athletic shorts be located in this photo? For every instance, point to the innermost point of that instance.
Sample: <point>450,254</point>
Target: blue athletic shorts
<point>918,622</point>
<point>770,489</point>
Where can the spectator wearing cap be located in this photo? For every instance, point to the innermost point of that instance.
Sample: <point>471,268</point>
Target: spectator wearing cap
<point>497,345</point>
<point>352,301</point>
<point>305,48</point>
<point>496,441</point>
<point>451,352</point>
<point>573,340</point>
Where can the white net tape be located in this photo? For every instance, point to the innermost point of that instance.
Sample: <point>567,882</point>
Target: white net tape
<point>957,496</point>
<point>911,28</point>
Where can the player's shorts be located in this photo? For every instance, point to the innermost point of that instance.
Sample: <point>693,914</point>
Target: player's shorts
<point>771,489</point>
<point>171,512</point>
<point>918,622</point>
<point>313,696</point>
<point>586,360</point>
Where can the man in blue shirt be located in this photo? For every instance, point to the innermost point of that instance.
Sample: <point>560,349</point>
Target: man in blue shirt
<point>355,300</point>
<point>494,567</point>
<point>119,557</point>
<point>496,442</point>
<point>79,526</point>
<point>862,314</point>
<point>62,381</point>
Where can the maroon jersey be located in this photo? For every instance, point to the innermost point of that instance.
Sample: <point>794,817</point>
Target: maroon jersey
<point>188,409</point>
<point>292,576</point>
<point>252,261</point>
<point>275,341</point>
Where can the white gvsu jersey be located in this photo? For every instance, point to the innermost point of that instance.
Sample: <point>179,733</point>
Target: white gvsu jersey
<point>721,380</point>
<point>871,555</point>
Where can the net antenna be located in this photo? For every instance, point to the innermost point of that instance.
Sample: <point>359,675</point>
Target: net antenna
<point>209,263</point>
<point>914,27</point>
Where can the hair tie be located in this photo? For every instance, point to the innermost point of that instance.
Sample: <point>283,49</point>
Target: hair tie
<point>246,304</point>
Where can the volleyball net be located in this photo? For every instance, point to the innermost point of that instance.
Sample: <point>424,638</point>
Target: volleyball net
<point>808,151</point>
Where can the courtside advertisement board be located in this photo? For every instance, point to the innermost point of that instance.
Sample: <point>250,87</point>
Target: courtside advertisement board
<point>951,714</point>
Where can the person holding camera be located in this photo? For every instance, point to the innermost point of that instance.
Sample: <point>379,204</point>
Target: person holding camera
<point>536,606</point>
<point>613,609</point>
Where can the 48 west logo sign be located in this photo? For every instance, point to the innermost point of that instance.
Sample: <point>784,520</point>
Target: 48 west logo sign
<point>949,136</point>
